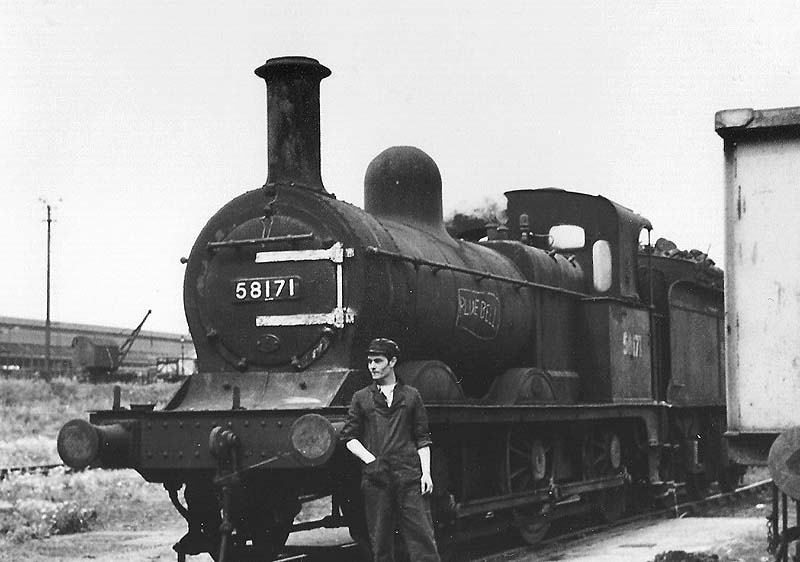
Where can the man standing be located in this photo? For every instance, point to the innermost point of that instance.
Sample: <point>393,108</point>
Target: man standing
<point>387,428</point>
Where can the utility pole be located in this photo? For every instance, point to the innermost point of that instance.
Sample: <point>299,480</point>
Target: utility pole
<point>47,362</point>
<point>47,351</point>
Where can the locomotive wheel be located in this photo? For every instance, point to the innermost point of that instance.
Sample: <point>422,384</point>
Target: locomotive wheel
<point>613,503</point>
<point>266,545</point>
<point>528,462</point>
<point>533,529</point>
<point>697,485</point>
<point>527,465</point>
<point>602,456</point>
<point>688,430</point>
<point>267,524</point>
<point>731,477</point>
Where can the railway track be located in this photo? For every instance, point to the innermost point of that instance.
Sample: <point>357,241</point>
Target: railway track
<point>496,549</point>
<point>342,553</point>
<point>560,541</point>
<point>34,469</point>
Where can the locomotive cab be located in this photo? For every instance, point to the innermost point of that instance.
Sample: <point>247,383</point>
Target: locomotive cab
<point>611,234</point>
<point>613,349</point>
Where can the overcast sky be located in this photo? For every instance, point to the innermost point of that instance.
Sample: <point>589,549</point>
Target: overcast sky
<point>138,120</point>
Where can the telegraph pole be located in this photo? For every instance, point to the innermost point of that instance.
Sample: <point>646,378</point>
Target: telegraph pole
<point>47,351</point>
<point>47,362</point>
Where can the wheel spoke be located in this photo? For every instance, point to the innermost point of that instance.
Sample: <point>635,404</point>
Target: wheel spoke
<point>519,452</point>
<point>524,483</point>
<point>526,457</point>
<point>516,473</point>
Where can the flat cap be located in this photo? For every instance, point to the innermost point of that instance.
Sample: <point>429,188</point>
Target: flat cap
<point>383,346</point>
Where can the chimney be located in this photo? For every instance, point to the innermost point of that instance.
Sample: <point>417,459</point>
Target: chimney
<point>293,133</point>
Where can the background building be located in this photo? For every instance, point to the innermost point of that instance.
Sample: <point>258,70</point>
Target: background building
<point>22,348</point>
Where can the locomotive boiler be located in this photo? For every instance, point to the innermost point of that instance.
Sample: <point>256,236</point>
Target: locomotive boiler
<point>563,363</point>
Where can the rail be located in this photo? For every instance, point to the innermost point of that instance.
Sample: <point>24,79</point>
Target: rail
<point>678,510</point>
<point>34,469</point>
<point>480,550</point>
<point>559,541</point>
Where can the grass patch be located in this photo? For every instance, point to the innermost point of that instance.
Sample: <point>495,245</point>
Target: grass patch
<point>32,412</point>
<point>28,451</point>
<point>33,407</point>
<point>35,506</point>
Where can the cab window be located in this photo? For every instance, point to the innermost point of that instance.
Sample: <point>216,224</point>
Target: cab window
<point>567,237</point>
<point>601,266</point>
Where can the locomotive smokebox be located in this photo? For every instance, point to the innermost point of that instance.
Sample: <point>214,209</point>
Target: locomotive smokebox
<point>293,123</point>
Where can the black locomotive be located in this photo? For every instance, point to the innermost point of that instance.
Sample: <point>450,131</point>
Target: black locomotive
<point>563,364</point>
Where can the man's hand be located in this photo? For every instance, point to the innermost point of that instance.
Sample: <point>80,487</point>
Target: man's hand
<point>426,484</point>
<point>357,448</point>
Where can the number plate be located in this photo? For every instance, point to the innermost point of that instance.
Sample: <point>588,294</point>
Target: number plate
<point>266,289</point>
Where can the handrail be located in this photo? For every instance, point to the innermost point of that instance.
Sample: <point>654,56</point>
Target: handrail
<point>436,266</point>
<point>257,241</point>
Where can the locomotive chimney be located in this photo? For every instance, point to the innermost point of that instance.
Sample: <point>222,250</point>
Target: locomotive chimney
<point>293,132</point>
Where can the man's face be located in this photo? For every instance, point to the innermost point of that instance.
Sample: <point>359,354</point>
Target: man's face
<point>380,366</point>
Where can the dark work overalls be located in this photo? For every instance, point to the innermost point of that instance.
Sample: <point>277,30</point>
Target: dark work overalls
<point>391,483</point>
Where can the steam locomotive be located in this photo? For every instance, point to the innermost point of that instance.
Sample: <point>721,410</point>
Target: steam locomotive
<point>562,362</point>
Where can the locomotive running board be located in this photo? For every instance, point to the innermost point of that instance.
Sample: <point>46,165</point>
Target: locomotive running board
<point>545,495</point>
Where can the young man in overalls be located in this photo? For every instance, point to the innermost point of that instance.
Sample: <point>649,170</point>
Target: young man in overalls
<point>387,428</point>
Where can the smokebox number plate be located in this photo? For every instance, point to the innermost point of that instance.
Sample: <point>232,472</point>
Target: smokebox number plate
<point>266,289</point>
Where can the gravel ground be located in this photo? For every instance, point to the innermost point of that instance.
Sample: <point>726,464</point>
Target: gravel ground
<point>144,532</point>
<point>147,533</point>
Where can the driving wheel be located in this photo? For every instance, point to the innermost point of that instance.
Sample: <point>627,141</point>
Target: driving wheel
<point>527,465</point>
<point>601,455</point>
